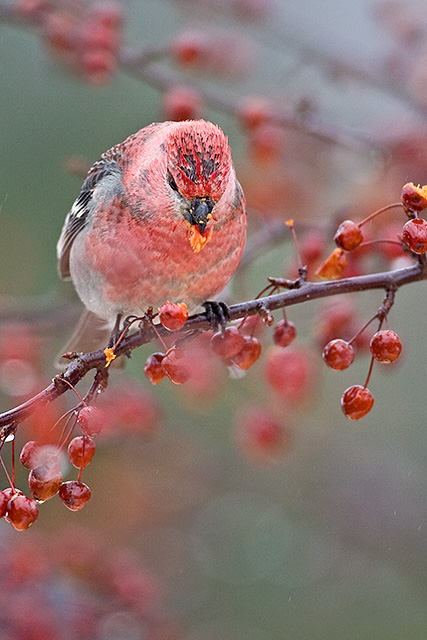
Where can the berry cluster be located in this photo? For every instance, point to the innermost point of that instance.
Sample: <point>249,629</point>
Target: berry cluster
<point>86,39</point>
<point>177,363</point>
<point>414,234</point>
<point>45,478</point>
<point>385,347</point>
<point>349,235</point>
<point>219,53</point>
<point>75,583</point>
<point>260,434</point>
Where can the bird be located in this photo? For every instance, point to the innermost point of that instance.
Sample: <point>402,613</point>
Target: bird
<point>160,217</point>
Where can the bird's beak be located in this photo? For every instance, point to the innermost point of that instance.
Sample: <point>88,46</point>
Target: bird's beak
<point>197,215</point>
<point>199,212</point>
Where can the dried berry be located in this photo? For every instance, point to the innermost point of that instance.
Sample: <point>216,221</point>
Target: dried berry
<point>284,333</point>
<point>44,482</point>
<point>414,235</point>
<point>176,366</point>
<point>348,235</point>
<point>229,343</point>
<point>74,494</point>
<point>21,511</point>
<point>153,368</point>
<point>414,198</point>
<point>173,316</point>
<point>249,354</point>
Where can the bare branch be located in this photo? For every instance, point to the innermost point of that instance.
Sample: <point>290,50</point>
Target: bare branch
<point>305,292</point>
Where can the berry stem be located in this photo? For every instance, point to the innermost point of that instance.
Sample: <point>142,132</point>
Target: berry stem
<point>127,325</point>
<point>64,434</point>
<point>290,224</point>
<point>393,205</point>
<point>371,365</point>
<point>99,384</point>
<point>9,479</point>
<point>369,372</point>
<point>365,326</point>
<point>13,462</point>
<point>370,243</point>
<point>75,390</point>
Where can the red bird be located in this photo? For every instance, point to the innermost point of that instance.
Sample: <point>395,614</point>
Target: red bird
<point>161,216</point>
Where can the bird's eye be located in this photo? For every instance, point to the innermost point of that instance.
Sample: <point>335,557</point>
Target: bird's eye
<point>172,182</point>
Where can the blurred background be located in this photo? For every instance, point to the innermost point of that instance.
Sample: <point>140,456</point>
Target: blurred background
<point>223,508</point>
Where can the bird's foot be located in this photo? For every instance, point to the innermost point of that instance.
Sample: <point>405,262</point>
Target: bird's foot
<point>217,314</point>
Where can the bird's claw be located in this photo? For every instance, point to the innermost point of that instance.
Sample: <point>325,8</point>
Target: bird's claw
<point>217,314</point>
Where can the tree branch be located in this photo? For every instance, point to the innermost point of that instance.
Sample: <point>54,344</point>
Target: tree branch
<point>304,292</point>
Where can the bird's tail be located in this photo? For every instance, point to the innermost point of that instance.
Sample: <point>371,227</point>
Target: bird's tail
<point>91,333</point>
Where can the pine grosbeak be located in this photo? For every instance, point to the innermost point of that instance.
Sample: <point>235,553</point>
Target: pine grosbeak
<point>161,216</point>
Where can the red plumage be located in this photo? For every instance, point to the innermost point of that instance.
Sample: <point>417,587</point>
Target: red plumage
<point>160,217</point>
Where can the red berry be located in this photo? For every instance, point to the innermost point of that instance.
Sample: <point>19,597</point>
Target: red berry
<point>348,236</point>
<point>34,455</point>
<point>29,453</point>
<point>182,103</point>
<point>99,66</point>
<point>4,499</point>
<point>44,482</point>
<point>153,368</point>
<point>81,451</point>
<point>262,438</point>
<point>130,408</point>
<point>229,343</point>
<point>176,366</point>
<point>414,235</point>
<point>284,333</point>
<point>59,29</point>
<point>356,402</point>
<point>91,421</point>
<point>252,325</point>
<point>334,319</point>
<point>173,316</point>
<point>266,143</point>
<point>18,341</point>
<point>21,511</point>
<point>287,372</point>
<point>249,354</point>
<point>254,111</point>
<point>385,346</point>
<point>110,14</point>
<point>74,494</point>
<point>95,36</point>
<point>189,49</point>
<point>32,8</point>
<point>9,492</point>
<point>338,354</point>
<point>414,198</point>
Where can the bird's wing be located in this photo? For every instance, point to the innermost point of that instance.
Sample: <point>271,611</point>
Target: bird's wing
<point>104,172</point>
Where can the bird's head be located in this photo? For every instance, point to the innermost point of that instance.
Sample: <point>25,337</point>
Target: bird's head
<point>198,172</point>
